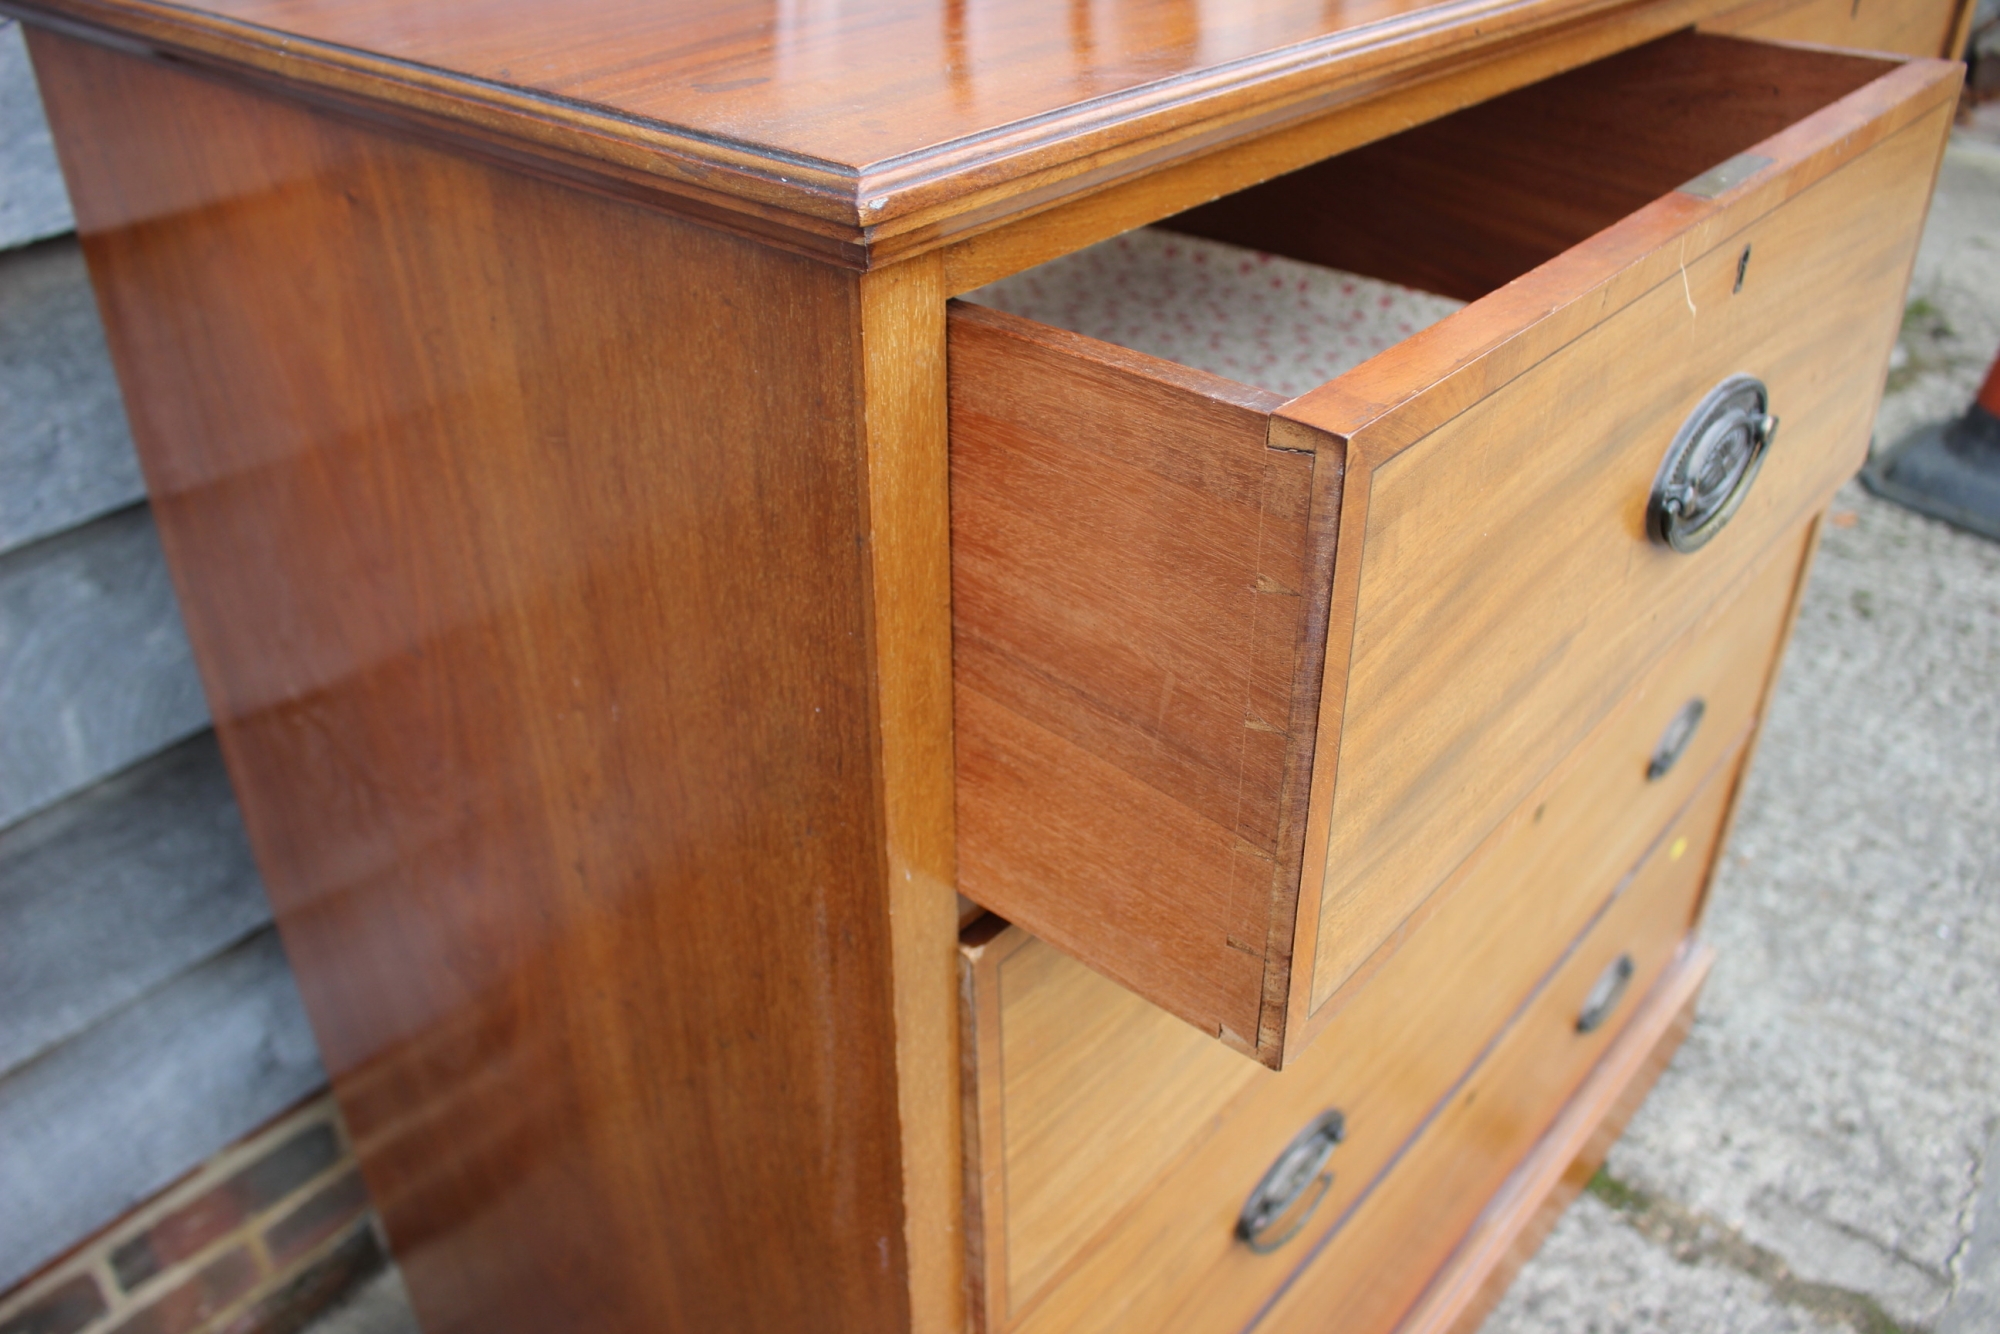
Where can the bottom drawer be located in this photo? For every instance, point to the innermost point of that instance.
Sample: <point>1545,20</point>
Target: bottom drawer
<point>1146,1240</point>
<point>1112,1145</point>
<point>1363,1276</point>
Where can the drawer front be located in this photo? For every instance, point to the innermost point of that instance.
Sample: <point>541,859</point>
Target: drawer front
<point>1108,1139</point>
<point>1240,684</point>
<point>1379,1261</point>
<point>1507,592</point>
<point>1170,1258</point>
<point>1589,818</point>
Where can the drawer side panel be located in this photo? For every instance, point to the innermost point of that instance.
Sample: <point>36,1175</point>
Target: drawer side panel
<point>1133,573</point>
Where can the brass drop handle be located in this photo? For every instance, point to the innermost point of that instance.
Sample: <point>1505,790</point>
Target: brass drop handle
<point>1605,995</point>
<point>1675,740</point>
<point>1709,467</point>
<point>1293,1187</point>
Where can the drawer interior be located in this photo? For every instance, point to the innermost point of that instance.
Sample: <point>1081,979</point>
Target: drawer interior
<point>1468,203</point>
<point>1310,274</point>
<point>1280,324</point>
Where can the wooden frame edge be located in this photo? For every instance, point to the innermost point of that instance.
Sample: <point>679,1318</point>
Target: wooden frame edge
<point>901,319</point>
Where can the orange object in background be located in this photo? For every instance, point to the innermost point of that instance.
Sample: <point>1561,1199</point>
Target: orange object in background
<point>1988,396</point>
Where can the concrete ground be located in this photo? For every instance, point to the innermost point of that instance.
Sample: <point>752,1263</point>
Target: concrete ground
<point>1817,1158</point>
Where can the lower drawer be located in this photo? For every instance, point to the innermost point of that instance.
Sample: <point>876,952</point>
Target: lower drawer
<point>1424,1145</point>
<point>1377,1263</point>
<point>1112,1144</point>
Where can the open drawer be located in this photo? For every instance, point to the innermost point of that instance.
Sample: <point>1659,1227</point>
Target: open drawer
<point>1241,679</point>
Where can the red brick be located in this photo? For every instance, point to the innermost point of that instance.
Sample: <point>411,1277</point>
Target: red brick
<point>219,1284</point>
<point>319,1285</point>
<point>212,1215</point>
<point>180,1235</point>
<point>63,1309</point>
<point>286,1168</point>
<point>322,1215</point>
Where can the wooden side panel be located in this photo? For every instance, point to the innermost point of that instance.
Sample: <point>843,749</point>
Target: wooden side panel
<point>523,540</point>
<point>1508,593</point>
<point>1906,27</point>
<point>1468,203</point>
<point>1133,575</point>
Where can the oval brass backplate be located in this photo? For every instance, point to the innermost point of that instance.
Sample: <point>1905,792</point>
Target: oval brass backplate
<point>1709,467</point>
<point>1674,741</point>
<point>1605,994</point>
<point>1293,1186</point>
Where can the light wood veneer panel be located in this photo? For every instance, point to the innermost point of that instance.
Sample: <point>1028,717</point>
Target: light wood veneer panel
<point>1507,590</point>
<point>1089,1097</point>
<point>1377,1264</point>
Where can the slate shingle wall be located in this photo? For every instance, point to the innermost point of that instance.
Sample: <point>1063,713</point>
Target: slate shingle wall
<point>148,1020</point>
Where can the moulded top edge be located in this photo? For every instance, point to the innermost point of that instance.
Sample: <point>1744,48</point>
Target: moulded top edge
<point>853,115</point>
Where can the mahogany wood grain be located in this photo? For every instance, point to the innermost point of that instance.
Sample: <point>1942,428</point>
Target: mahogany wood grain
<point>859,133</point>
<point>1376,1267</point>
<point>567,585</point>
<point>1471,202</point>
<point>1131,607</point>
<point>1132,648</point>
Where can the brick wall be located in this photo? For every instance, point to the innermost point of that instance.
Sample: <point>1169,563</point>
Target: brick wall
<point>256,1241</point>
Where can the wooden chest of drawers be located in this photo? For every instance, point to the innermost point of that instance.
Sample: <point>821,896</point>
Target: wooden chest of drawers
<point>651,621</point>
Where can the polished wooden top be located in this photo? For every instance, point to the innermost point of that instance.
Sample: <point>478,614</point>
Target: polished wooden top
<point>850,122</point>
